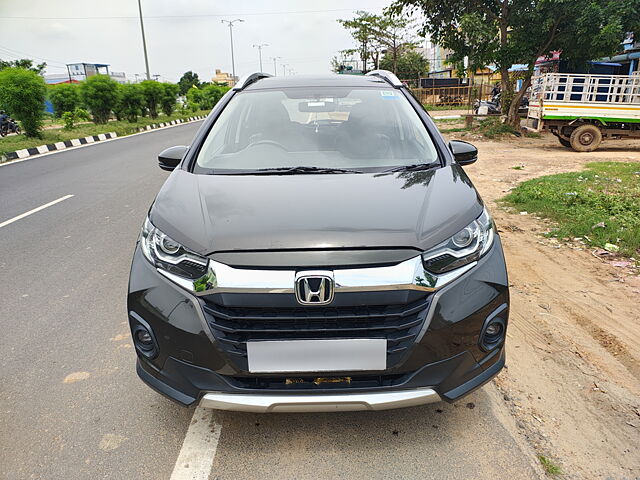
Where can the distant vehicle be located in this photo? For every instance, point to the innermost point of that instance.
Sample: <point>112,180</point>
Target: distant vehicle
<point>9,125</point>
<point>318,247</point>
<point>494,107</point>
<point>582,109</point>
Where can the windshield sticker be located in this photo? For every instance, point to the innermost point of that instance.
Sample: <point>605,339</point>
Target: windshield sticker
<point>390,94</point>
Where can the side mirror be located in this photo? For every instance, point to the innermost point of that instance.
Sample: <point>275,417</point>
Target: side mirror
<point>170,158</point>
<point>463,152</point>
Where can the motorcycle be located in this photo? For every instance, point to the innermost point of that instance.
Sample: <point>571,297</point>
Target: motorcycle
<point>493,106</point>
<point>9,126</point>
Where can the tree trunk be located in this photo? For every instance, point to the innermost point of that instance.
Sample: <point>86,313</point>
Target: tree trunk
<point>513,118</point>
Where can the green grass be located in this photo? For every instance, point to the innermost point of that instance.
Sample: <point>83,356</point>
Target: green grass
<point>549,467</point>
<point>17,142</point>
<point>493,127</point>
<point>448,120</point>
<point>454,130</point>
<point>446,107</point>
<point>607,192</point>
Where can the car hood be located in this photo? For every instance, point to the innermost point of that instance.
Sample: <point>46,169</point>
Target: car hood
<point>231,213</point>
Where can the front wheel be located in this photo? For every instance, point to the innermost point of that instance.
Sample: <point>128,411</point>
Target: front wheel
<point>585,138</point>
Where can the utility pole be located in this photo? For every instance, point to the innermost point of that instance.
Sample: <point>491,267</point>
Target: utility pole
<point>233,64</point>
<point>284,69</point>
<point>275,69</point>
<point>259,47</point>
<point>144,42</point>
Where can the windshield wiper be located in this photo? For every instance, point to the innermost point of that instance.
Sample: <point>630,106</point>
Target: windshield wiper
<point>300,169</point>
<point>412,168</point>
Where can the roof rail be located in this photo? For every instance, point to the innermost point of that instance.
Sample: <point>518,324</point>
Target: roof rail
<point>249,79</point>
<point>387,76</point>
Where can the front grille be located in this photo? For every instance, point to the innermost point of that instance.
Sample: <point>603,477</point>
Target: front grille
<point>296,382</point>
<point>398,324</point>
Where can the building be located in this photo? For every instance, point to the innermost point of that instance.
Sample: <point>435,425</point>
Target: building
<point>224,78</point>
<point>438,57</point>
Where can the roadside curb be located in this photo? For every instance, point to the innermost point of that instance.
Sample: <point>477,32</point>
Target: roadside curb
<point>172,122</point>
<point>76,142</point>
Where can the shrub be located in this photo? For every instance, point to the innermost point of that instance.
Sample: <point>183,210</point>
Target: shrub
<point>168,101</point>
<point>22,94</point>
<point>153,93</point>
<point>70,118</point>
<point>131,101</point>
<point>100,94</point>
<point>64,98</point>
<point>207,96</point>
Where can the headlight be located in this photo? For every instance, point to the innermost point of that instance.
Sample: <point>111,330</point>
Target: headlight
<point>466,246</point>
<point>167,254</point>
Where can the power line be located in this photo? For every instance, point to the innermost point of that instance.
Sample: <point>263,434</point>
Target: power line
<point>18,54</point>
<point>123,17</point>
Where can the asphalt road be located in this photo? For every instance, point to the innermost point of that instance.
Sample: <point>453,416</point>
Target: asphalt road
<point>71,405</point>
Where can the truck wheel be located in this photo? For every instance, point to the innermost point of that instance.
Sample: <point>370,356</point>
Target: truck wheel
<point>564,142</point>
<point>586,138</point>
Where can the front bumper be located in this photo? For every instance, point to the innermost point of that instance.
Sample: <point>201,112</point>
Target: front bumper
<point>442,359</point>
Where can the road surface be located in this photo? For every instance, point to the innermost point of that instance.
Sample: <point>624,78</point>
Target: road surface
<point>71,405</point>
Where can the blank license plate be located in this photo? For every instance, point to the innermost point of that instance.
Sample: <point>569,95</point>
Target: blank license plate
<point>317,355</point>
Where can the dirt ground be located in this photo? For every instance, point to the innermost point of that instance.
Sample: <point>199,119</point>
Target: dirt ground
<point>572,380</point>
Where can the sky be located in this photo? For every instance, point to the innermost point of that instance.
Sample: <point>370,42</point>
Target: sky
<point>181,35</point>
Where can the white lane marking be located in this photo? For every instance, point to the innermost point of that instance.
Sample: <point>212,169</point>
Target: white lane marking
<point>31,212</point>
<point>199,447</point>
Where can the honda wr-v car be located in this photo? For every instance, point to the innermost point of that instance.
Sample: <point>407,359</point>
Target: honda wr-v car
<point>318,247</point>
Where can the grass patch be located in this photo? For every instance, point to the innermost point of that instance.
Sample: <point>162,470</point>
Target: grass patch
<point>549,467</point>
<point>601,204</point>
<point>493,127</point>
<point>518,167</point>
<point>17,142</point>
<point>454,130</point>
<point>448,120</point>
<point>446,107</point>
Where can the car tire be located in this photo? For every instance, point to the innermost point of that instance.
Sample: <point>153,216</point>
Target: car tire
<point>586,138</point>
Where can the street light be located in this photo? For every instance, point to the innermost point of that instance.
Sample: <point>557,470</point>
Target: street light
<point>259,47</point>
<point>284,69</point>
<point>275,70</point>
<point>233,64</point>
<point>144,41</point>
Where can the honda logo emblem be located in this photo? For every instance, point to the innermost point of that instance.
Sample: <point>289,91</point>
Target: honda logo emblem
<point>314,288</point>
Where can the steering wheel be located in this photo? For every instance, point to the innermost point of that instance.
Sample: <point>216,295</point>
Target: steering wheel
<point>268,142</point>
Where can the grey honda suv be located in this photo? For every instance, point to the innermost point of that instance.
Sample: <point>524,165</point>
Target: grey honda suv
<point>318,247</point>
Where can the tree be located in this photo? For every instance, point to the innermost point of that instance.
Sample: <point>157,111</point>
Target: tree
<point>100,94</point>
<point>64,97</point>
<point>152,92</point>
<point>410,64</point>
<point>168,101</point>
<point>25,63</point>
<point>188,80</point>
<point>377,33</point>
<point>130,101</point>
<point>505,32</point>
<point>22,94</point>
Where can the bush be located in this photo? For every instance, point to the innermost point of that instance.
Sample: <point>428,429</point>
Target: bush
<point>153,93</point>
<point>64,98</point>
<point>70,118</point>
<point>130,101</point>
<point>168,101</point>
<point>100,94</point>
<point>206,97</point>
<point>22,94</point>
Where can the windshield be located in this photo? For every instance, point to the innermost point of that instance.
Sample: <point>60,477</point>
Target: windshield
<point>363,129</point>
